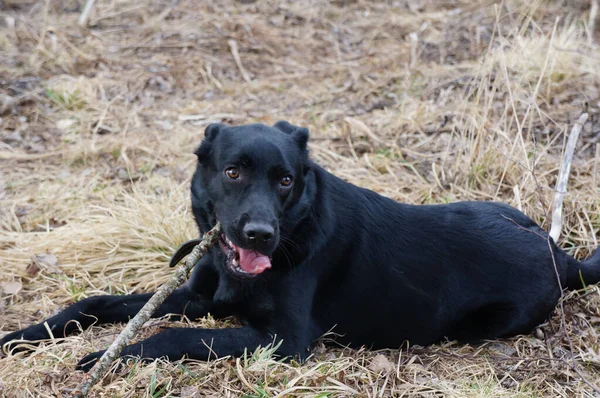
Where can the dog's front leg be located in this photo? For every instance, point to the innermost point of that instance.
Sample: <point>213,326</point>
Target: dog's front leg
<point>290,327</point>
<point>200,344</point>
<point>193,300</point>
<point>291,334</point>
<point>109,309</point>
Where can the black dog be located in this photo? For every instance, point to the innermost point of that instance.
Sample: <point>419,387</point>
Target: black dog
<point>304,252</point>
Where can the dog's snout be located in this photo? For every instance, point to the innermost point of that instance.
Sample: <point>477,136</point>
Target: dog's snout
<point>259,232</point>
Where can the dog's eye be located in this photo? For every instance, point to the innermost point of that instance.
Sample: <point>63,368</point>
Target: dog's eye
<point>232,172</point>
<point>286,181</point>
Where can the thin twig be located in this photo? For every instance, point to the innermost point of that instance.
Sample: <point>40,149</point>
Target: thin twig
<point>238,61</point>
<point>6,155</point>
<point>563,177</point>
<point>560,190</point>
<point>134,325</point>
<point>414,44</point>
<point>592,21</point>
<point>85,14</point>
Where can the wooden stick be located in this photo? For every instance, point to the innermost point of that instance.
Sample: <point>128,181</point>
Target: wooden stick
<point>134,325</point>
<point>563,177</point>
<point>592,21</point>
<point>85,14</point>
<point>238,61</point>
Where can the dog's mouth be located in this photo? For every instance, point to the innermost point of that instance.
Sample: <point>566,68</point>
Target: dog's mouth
<point>243,262</point>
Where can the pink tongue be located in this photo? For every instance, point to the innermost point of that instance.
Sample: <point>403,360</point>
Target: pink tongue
<point>253,262</point>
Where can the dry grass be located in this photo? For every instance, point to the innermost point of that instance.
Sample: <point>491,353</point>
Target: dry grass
<point>423,101</point>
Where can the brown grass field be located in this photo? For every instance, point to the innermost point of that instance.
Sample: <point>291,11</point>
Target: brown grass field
<point>423,101</point>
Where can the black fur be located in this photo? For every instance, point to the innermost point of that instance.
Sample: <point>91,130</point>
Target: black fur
<point>375,272</point>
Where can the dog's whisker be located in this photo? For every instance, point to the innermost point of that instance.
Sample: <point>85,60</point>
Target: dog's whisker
<point>291,242</point>
<point>288,255</point>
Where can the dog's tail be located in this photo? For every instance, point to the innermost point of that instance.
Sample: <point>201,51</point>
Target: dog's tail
<point>583,273</point>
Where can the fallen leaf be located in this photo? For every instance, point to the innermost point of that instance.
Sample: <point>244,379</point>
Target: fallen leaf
<point>65,124</point>
<point>10,288</point>
<point>43,261</point>
<point>7,104</point>
<point>189,392</point>
<point>32,269</point>
<point>503,348</point>
<point>14,137</point>
<point>380,363</point>
<point>164,124</point>
<point>48,260</point>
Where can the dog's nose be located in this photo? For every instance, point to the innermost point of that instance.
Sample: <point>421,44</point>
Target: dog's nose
<point>258,232</point>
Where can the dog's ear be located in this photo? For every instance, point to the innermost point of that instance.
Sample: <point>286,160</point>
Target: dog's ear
<point>300,134</point>
<point>301,137</point>
<point>209,136</point>
<point>286,127</point>
<point>212,130</point>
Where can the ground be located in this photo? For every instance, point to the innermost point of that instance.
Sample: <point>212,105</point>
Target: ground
<point>423,101</point>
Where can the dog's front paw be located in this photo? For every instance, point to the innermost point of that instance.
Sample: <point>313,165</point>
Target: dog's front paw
<point>23,340</point>
<point>89,361</point>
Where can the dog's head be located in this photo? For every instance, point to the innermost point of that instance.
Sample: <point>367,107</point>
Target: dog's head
<point>253,179</point>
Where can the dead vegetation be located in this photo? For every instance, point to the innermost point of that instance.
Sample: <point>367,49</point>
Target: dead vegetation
<point>422,101</point>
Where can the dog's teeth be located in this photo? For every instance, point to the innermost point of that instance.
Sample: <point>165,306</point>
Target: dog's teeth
<point>235,262</point>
